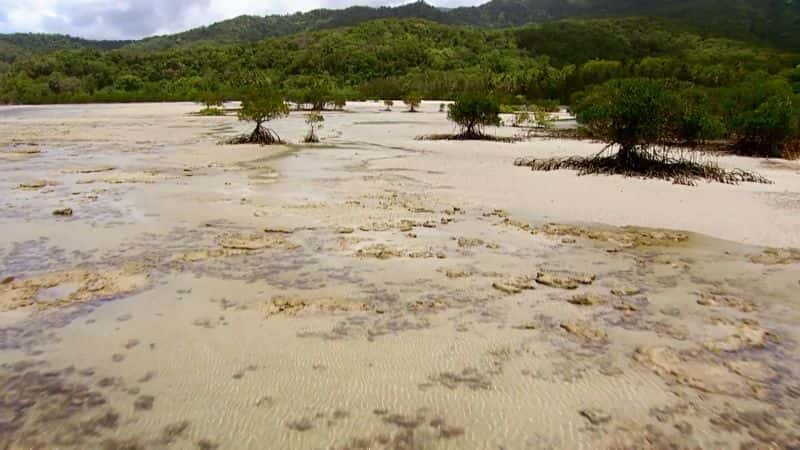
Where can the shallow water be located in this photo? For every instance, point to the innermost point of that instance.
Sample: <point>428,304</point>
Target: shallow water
<point>206,296</point>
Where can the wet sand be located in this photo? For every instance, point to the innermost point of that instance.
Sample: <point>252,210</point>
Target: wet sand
<point>377,291</point>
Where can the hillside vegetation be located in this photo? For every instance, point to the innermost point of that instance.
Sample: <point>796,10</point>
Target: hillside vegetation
<point>774,22</point>
<point>22,45</point>
<point>389,58</point>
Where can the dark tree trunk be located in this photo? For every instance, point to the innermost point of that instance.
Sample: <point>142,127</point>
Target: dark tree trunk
<point>311,137</point>
<point>624,156</point>
<point>264,136</point>
<point>471,131</point>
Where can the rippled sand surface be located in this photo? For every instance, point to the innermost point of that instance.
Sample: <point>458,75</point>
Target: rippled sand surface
<point>380,292</point>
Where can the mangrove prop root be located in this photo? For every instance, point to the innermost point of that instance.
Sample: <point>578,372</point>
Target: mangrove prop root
<point>469,137</point>
<point>261,135</point>
<point>657,165</point>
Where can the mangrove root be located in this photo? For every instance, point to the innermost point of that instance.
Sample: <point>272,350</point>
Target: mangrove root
<point>469,137</point>
<point>646,164</point>
<point>261,135</point>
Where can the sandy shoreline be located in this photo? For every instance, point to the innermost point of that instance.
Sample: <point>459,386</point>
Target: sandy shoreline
<point>748,213</point>
<point>377,291</point>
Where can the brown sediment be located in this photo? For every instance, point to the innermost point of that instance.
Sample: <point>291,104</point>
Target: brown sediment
<point>722,299</point>
<point>255,241</point>
<point>514,285</point>
<point>458,273</point>
<point>564,281</point>
<point>698,371</point>
<point>84,170</point>
<point>129,179</point>
<point>59,289</point>
<point>585,331</point>
<point>587,299</point>
<point>743,337</point>
<point>292,306</point>
<point>777,256</point>
<point>622,237</point>
<point>384,251</point>
<point>625,291</point>
<point>20,151</point>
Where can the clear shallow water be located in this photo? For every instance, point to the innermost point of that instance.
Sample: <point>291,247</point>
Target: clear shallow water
<point>211,296</point>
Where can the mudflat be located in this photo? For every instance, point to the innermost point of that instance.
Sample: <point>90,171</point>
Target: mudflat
<point>158,290</point>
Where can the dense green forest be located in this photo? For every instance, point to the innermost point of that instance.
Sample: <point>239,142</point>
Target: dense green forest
<point>389,58</point>
<point>774,22</point>
<point>17,46</point>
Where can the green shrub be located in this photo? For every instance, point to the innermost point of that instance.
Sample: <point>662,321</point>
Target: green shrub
<point>696,122</point>
<point>521,119</point>
<point>543,118</point>
<point>259,106</point>
<point>793,75</point>
<point>548,105</point>
<point>129,83</point>
<point>412,100</point>
<point>472,112</point>
<point>212,111</point>
<point>314,121</point>
<point>211,94</point>
<point>644,119</point>
<point>634,114</point>
<point>764,115</point>
<point>509,109</point>
<point>314,92</point>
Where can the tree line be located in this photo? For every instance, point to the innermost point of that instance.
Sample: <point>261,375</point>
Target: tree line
<point>728,89</point>
<point>389,58</point>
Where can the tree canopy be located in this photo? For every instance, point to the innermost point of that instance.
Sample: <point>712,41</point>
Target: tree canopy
<point>472,112</point>
<point>412,100</point>
<point>259,105</point>
<point>633,114</point>
<point>392,58</point>
<point>772,21</point>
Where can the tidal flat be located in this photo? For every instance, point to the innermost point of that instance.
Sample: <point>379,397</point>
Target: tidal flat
<point>375,291</point>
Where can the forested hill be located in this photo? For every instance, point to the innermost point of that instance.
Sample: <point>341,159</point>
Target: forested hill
<point>19,45</point>
<point>390,58</point>
<point>776,22</point>
<point>255,28</point>
<point>42,43</point>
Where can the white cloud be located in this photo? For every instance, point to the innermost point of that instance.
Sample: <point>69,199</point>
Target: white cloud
<point>131,19</point>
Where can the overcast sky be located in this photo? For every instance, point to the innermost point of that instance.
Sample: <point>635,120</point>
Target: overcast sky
<point>132,19</point>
